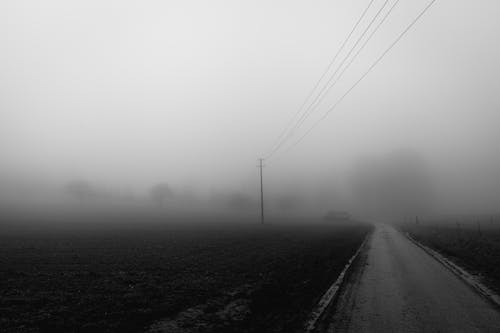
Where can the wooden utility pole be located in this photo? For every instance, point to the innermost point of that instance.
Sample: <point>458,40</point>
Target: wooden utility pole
<point>261,160</point>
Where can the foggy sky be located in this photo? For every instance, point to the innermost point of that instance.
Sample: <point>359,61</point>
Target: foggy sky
<point>130,93</point>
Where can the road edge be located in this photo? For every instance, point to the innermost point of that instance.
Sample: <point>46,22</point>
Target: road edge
<point>333,291</point>
<point>465,276</point>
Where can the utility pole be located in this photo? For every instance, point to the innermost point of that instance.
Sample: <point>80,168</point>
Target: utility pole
<point>260,166</point>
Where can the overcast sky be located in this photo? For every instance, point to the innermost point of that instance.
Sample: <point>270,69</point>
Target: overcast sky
<point>129,93</point>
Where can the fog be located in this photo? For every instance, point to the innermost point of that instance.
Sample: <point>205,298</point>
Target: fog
<point>167,105</point>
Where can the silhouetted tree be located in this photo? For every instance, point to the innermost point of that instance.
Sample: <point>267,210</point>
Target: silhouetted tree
<point>288,202</point>
<point>160,193</point>
<point>240,201</point>
<point>396,185</point>
<point>81,190</point>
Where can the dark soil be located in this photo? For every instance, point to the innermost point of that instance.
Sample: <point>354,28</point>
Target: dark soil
<point>220,278</point>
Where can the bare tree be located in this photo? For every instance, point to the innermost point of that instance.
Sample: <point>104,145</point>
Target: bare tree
<point>81,190</point>
<point>160,193</point>
<point>395,185</point>
<point>240,201</point>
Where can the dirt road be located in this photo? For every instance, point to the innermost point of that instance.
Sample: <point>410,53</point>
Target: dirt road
<point>398,287</point>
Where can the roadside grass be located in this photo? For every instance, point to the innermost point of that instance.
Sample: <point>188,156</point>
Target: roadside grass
<point>218,278</point>
<point>474,245</point>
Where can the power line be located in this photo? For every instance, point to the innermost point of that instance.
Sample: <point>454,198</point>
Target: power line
<point>366,73</point>
<point>322,93</point>
<point>282,137</point>
<point>348,64</point>
<point>366,42</point>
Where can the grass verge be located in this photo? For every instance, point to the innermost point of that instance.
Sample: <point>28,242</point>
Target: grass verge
<point>473,246</point>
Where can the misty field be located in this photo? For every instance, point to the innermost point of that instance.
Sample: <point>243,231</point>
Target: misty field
<point>186,278</point>
<point>474,245</point>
